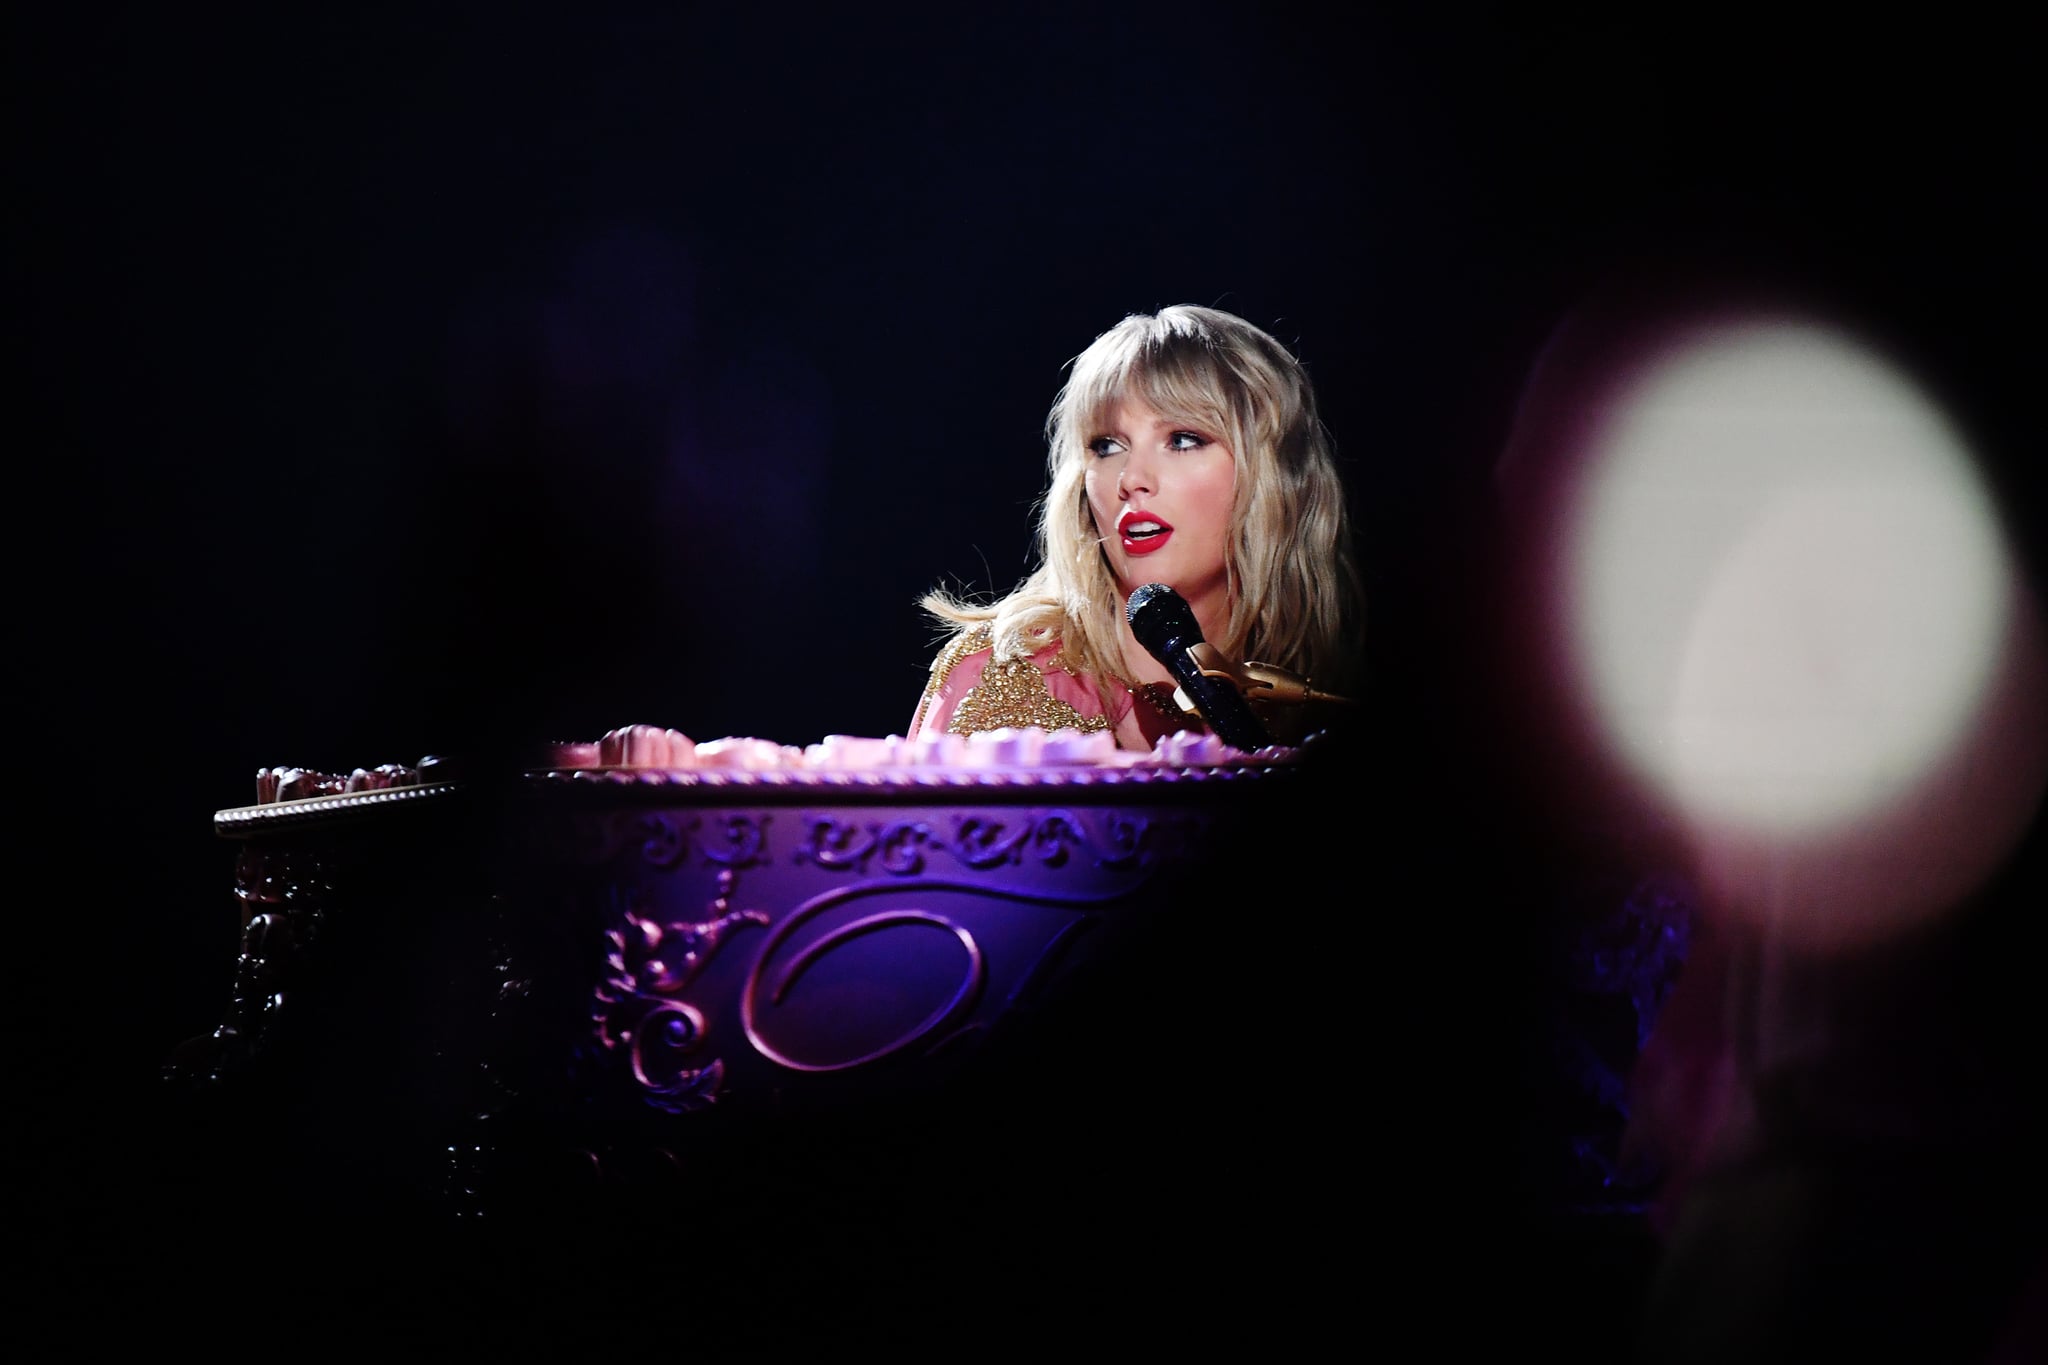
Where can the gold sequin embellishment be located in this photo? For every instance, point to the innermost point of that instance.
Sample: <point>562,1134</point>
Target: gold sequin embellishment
<point>1012,693</point>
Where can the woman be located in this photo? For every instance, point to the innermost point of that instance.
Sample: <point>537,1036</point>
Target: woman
<point>1184,449</point>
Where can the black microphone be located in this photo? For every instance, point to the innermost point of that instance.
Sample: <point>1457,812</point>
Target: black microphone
<point>1165,625</point>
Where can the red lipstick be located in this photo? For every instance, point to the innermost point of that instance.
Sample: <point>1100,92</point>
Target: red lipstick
<point>1142,532</point>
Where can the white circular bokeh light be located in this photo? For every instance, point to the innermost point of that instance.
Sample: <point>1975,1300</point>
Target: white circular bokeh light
<point>1787,584</point>
<point>1790,607</point>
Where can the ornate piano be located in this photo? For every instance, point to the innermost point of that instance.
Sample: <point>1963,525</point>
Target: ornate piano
<point>627,973</point>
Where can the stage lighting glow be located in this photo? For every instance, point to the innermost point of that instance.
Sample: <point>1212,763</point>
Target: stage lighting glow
<point>1787,583</point>
<point>1788,601</point>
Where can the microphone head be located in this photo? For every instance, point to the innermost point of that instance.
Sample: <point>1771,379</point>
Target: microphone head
<point>1162,620</point>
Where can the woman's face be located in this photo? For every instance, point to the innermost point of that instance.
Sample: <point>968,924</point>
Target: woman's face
<point>1160,492</point>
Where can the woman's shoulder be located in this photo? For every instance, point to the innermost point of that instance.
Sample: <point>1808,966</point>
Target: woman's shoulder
<point>975,648</point>
<point>975,639</point>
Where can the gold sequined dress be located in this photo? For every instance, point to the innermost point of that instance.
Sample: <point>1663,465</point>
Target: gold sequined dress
<point>969,692</point>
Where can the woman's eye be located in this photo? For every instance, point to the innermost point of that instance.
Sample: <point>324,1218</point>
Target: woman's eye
<point>1186,440</point>
<point>1104,446</point>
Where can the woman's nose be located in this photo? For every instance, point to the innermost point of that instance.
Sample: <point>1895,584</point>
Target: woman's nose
<point>1137,475</point>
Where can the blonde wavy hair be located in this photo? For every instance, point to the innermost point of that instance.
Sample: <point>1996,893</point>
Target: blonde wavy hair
<point>1295,598</point>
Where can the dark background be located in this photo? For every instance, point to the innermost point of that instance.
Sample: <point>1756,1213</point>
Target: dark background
<point>392,382</point>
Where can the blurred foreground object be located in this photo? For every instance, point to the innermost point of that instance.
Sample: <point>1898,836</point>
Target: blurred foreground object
<point>1774,613</point>
<point>1779,603</point>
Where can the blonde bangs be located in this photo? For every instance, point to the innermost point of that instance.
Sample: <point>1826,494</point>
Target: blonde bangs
<point>1174,370</point>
